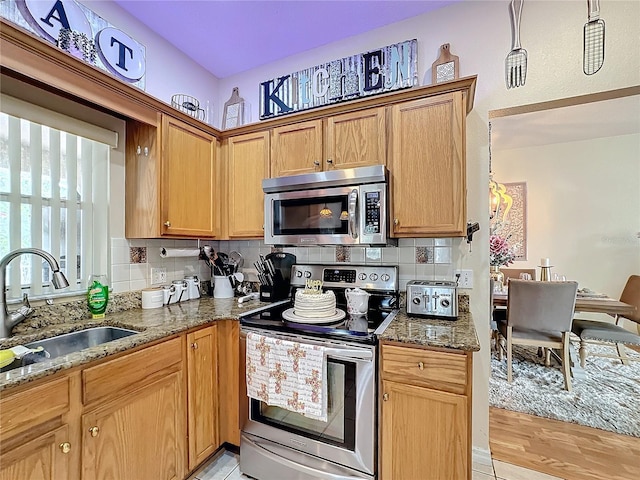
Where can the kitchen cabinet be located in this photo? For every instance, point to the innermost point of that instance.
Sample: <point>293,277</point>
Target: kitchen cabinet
<point>172,178</point>
<point>427,165</point>
<point>231,379</point>
<point>349,140</point>
<point>37,440</point>
<point>134,422</point>
<point>247,165</point>
<point>426,413</point>
<point>202,394</point>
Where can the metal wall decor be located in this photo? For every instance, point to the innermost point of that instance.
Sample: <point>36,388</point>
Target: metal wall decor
<point>593,50</point>
<point>446,67</point>
<point>383,70</point>
<point>233,115</point>
<point>516,62</point>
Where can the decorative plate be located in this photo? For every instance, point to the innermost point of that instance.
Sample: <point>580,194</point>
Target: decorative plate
<point>292,317</point>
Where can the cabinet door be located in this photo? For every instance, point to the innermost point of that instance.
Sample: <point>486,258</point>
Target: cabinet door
<point>296,149</point>
<point>356,139</point>
<point>45,458</point>
<point>189,185</point>
<point>202,362</point>
<point>424,433</point>
<point>427,161</point>
<point>231,378</point>
<point>248,165</point>
<point>137,437</point>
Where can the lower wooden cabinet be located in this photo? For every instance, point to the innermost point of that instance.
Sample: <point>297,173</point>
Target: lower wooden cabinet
<point>44,458</point>
<point>139,436</point>
<point>425,414</point>
<point>202,394</point>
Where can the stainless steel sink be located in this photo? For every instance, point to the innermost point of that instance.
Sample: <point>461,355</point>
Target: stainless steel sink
<point>69,343</point>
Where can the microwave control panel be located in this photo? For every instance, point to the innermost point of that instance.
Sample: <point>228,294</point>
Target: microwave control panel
<point>372,212</point>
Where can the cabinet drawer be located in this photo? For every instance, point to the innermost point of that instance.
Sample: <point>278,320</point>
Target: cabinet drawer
<point>125,374</point>
<point>34,406</point>
<point>428,368</point>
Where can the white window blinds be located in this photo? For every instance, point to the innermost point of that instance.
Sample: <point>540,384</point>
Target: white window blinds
<point>53,195</point>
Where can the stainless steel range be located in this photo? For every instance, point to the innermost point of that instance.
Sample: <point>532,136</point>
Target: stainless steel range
<point>277,443</point>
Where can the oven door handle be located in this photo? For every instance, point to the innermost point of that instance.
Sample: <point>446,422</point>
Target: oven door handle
<point>344,352</point>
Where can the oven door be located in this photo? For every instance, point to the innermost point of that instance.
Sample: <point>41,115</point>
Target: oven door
<point>348,436</point>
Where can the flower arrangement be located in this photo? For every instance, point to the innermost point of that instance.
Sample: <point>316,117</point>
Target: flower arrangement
<point>500,252</point>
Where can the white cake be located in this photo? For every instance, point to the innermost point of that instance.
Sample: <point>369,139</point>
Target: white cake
<point>310,304</point>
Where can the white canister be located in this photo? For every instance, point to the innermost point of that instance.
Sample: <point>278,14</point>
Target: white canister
<point>152,297</point>
<point>168,294</point>
<point>193,286</point>
<point>181,291</point>
<point>222,287</point>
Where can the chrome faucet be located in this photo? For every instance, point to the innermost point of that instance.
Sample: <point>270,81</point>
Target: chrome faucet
<point>8,320</point>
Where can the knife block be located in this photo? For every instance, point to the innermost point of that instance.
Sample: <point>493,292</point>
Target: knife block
<point>274,293</point>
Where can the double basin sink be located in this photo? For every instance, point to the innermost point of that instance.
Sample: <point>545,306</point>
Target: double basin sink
<point>69,343</point>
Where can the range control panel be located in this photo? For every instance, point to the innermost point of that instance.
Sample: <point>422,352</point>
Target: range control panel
<point>369,277</point>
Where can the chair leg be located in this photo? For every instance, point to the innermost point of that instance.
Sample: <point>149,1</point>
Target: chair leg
<point>501,347</point>
<point>547,357</point>
<point>509,356</point>
<point>622,354</point>
<point>566,361</point>
<point>583,353</point>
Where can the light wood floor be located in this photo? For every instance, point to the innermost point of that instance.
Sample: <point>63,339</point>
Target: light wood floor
<point>564,450</point>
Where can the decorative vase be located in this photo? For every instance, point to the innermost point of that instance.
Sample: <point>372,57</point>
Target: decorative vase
<point>497,276</point>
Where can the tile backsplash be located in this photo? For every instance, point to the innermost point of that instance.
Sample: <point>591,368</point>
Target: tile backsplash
<point>417,258</point>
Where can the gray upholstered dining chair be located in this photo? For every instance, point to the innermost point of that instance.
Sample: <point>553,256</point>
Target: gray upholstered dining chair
<point>539,314</point>
<point>594,332</point>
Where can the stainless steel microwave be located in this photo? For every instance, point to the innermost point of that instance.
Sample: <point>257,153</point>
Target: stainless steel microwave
<point>337,207</point>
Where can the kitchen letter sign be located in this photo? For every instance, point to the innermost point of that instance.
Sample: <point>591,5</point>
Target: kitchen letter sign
<point>389,68</point>
<point>82,33</point>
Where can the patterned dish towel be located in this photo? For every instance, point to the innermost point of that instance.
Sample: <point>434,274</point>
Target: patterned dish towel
<point>287,374</point>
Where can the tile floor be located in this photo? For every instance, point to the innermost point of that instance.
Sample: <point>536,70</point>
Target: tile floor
<point>225,467</point>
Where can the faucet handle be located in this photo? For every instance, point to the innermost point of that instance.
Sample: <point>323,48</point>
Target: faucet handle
<point>25,300</point>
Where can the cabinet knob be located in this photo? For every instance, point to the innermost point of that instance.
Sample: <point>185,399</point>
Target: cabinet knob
<point>330,161</point>
<point>65,447</point>
<point>194,345</point>
<point>421,365</point>
<point>94,431</point>
<point>396,221</point>
<point>167,223</point>
<point>139,150</point>
<point>316,163</point>
<point>385,397</point>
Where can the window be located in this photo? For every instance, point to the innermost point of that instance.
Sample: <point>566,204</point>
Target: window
<point>53,194</point>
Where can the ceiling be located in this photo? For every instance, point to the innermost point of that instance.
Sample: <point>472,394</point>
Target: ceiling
<point>228,37</point>
<point>605,118</point>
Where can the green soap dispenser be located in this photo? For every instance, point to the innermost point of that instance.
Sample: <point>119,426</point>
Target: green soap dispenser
<point>97,295</point>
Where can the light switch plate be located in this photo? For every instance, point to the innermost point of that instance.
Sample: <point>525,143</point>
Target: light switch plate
<point>465,280</point>
<point>158,275</point>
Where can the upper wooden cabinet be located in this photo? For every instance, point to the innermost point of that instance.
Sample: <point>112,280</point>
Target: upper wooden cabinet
<point>247,166</point>
<point>172,181</point>
<point>427,165</point>
<point>349,140</point>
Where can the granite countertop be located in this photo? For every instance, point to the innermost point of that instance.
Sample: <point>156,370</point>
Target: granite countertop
<point>159,323</point>
<point>459,334</point>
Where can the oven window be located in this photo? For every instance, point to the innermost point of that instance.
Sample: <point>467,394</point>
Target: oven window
<point>340,427</point>
<point>306,216</point>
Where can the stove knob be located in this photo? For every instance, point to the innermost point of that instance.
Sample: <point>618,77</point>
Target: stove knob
<point>362,276</point>
<point>444,302</point>
<point>307,274</point>
<point>373,277</point>
<point>385,277</point>
<point>299,274</point>
<point>416,300</point>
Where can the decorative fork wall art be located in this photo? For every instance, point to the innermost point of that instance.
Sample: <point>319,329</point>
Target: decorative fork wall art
<point>516,61</point>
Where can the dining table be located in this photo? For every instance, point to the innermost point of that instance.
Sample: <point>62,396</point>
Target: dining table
<point>591,304</point>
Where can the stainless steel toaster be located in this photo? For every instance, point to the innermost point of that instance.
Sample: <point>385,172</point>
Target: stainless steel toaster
<point>432,298</point>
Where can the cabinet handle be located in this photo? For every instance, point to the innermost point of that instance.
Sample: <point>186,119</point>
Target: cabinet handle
<point>421,365</point>
<point>385,397</point>
<point>94,431</point>
<point>194,345</point>
<point>316,163</point>
<point>167,223</point>
<point>396,221</point>
<point>65,447</point>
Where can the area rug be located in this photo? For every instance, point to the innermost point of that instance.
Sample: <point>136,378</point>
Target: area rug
<point>608,398</point>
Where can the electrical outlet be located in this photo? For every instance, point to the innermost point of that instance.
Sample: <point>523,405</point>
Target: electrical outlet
<point>158,275</point>
<point>465,279</point>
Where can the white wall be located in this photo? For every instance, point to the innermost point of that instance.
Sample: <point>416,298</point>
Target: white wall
<point>479,33</point>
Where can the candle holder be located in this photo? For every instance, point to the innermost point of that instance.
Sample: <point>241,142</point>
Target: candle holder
<point>545,273</point>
